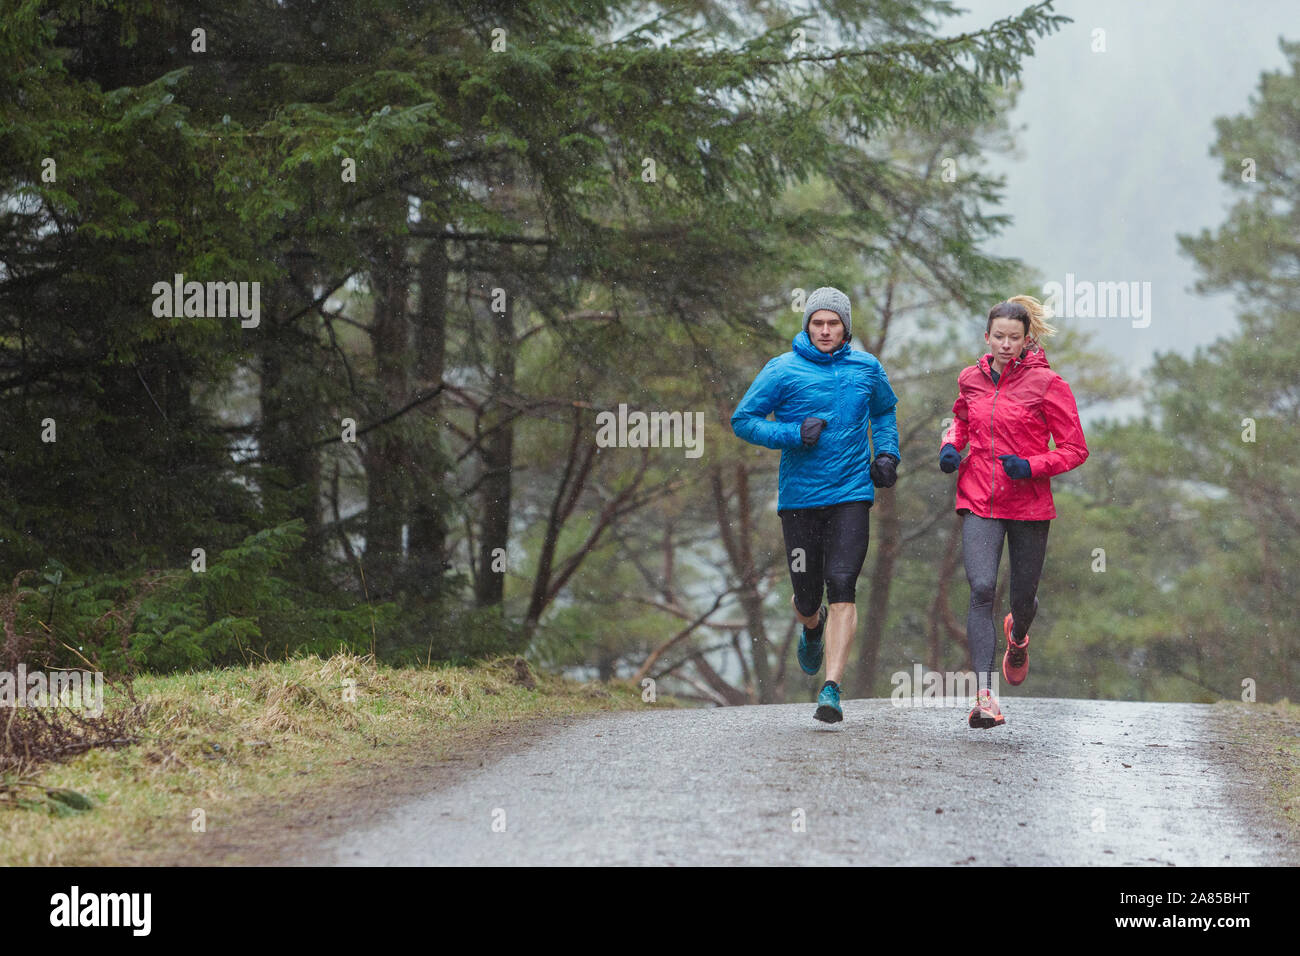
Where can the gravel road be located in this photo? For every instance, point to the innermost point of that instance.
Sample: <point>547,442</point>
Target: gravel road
<point>1064,782</point>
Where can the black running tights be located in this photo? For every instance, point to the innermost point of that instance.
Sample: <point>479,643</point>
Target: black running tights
<point>981,543</point>
<point>825,547</point>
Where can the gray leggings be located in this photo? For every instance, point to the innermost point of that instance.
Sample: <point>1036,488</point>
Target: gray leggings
<point>981,545</point>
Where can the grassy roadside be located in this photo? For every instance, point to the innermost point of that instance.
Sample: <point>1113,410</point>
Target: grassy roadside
<point>219,746</point>
<point>1267,738</point>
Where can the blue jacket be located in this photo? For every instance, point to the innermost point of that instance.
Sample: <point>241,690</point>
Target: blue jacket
<point>846,388</point>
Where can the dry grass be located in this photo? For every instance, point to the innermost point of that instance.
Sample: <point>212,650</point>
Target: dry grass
<point>218,744</point>
<point>1268,739</point>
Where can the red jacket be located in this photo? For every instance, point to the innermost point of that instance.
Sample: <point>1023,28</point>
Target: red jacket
<point>1029,402</point>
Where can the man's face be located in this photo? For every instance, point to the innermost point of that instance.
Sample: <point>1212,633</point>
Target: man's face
<point>826,330</point>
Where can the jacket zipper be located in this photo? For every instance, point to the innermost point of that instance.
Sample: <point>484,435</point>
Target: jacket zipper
<point>835,368</point>
<point>993,478</point>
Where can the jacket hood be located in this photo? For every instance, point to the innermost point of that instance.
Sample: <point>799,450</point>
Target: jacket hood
<point>803,345</point>
<point>1036,358</point>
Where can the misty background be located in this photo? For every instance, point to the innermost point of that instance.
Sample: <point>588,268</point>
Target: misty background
<point>1113,156</point>
<point>475,229</point>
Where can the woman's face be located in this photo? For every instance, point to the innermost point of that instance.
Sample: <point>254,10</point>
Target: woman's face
<point>1005,338</point>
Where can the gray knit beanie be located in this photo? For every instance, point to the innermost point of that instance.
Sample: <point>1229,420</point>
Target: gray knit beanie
<point>831,298</point>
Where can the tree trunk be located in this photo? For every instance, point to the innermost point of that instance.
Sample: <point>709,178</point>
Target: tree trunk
<point>940,610</point>
<point>427,548</point>
<point>288,405</point>
<point>497,452</point>
<point>887,533</point>
<point>577,466</point>
<point>737,540</point>
<point>1276,643</point>
<point>384,453</point>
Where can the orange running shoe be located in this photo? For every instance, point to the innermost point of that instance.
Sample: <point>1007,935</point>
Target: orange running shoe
<point>986,713</point>
<point>1015,662</point>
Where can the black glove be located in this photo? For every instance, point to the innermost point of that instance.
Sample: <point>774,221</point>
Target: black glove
<point>811,430</point>
<point>949,459</point>
<point>1014,466</point>
<point>884,470</point>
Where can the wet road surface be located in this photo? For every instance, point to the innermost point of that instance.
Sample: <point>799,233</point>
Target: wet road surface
<point>1107,783</point>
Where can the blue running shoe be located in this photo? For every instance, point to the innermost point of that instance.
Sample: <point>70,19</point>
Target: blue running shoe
<point>810,649</point>
<point>828,704</point>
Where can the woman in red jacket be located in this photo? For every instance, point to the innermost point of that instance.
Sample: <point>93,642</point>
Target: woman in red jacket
<point>1007,406</point>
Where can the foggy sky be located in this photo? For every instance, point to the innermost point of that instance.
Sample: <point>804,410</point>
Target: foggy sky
<point>1114,159</point>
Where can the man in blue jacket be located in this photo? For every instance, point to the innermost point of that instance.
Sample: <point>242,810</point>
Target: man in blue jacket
<point>822,394</point>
